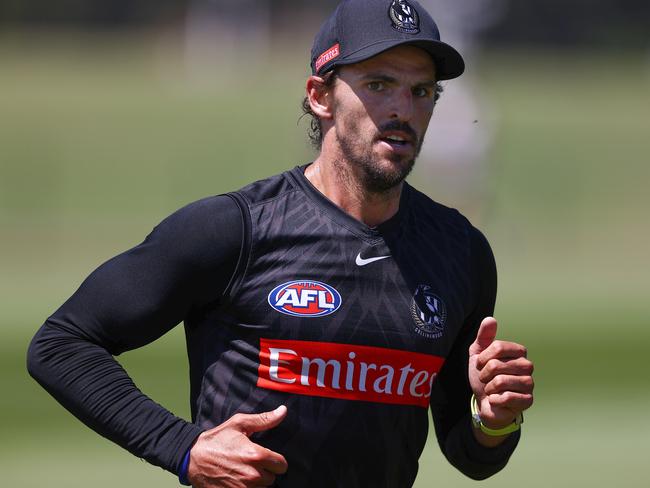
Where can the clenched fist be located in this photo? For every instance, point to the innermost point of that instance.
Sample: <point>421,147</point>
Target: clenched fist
<point>500,376</point>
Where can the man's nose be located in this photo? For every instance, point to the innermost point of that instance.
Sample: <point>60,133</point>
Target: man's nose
<point>402,105</point>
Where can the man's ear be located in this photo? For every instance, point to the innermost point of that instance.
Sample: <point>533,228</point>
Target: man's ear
<point>320,97</point>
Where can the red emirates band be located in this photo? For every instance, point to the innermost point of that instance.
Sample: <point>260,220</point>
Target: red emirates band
<point>328,55</point>
<point>349,372</point>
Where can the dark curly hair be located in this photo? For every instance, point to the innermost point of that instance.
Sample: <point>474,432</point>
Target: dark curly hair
<point>315,131</point>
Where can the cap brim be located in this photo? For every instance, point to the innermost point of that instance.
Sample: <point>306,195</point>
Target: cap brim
<point>449,63</point>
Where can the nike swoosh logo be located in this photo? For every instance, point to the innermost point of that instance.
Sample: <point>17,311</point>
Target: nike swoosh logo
<point>362,262</point>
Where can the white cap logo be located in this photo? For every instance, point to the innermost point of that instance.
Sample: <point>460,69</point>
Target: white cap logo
<point>404,17</point>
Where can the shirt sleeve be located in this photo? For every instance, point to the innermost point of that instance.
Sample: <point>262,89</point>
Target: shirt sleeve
<point>450,405</point>
<point>185,264</point>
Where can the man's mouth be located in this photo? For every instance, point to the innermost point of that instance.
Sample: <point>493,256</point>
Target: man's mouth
<point>396,140</point>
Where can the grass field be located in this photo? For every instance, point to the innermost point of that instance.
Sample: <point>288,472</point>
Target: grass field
<point>99,142</point>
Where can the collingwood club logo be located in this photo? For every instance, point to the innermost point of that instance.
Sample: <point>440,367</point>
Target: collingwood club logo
<point>429,313</point>
<point>405,18</point>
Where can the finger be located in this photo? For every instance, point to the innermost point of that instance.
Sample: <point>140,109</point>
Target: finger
<point>273,462</point>
<point>516,402</point>
<point>500,350</point>
<point>503,383</point>
<point>486,334</point>
<point>251,477</point>
<point>518,366</point>
<point>258,422</point>
<point>266,478</point>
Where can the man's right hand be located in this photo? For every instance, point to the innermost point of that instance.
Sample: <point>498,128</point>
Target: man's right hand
<point>226,457</point>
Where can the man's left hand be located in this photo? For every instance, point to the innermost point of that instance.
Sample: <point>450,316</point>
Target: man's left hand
<point>500,376</point>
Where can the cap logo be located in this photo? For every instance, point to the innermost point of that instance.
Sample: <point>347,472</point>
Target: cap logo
<point>404,17</point>
<point>327,56</point>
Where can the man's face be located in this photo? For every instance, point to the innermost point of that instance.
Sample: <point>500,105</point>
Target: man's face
<point>381,110</point>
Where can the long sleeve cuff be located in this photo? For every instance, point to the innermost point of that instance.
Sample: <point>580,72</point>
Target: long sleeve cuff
<point>182,473</point>
<point>472,458</point>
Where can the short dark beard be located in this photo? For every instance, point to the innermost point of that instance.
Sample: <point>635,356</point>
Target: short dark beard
<point>374,179</point>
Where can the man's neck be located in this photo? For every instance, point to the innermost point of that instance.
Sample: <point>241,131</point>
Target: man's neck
<point>337,182</point>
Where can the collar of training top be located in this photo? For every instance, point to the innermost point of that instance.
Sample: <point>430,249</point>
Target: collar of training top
<point>360,29</point>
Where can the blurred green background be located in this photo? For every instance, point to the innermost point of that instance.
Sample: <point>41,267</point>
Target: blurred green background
<point>103,134</point>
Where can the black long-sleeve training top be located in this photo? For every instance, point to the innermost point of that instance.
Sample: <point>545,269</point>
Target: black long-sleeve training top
<point>286,299</point>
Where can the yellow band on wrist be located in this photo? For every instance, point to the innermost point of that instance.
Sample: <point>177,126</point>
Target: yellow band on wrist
<point>478,423</point>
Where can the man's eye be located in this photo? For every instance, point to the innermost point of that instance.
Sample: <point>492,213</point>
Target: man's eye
<point>421,92</point>
<point>375,86</point>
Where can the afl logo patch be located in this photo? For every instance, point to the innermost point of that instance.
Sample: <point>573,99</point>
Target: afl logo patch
<point>404,17</point>
<point>429,313</point>
<point>305,298</point>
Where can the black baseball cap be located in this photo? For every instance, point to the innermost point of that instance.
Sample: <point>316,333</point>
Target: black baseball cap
<point>361,29</point>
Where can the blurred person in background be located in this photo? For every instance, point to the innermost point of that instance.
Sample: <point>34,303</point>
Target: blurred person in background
<point>463,132</point>
<point>326,309</point>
